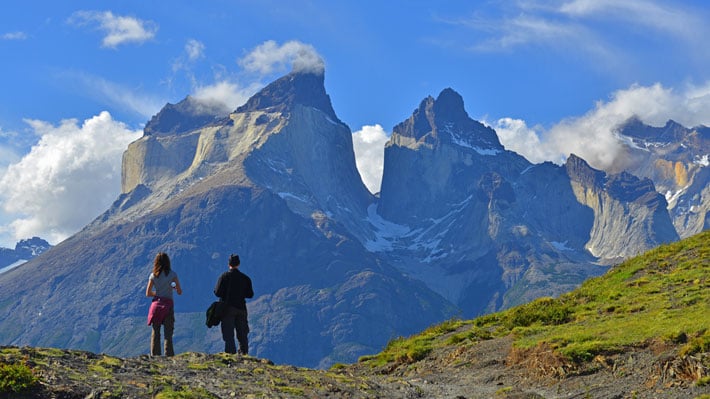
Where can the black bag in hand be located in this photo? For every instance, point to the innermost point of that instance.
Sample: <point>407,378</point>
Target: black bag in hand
<point>214,313</point>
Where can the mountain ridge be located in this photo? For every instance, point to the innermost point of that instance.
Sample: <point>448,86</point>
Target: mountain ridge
<point>24,250</point>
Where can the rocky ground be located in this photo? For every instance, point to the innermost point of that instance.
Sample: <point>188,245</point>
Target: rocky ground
<point>488,369</point>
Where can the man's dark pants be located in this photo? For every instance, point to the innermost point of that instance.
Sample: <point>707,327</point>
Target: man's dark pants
<point>235,319</point>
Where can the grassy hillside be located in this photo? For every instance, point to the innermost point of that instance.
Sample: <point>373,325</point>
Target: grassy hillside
<point>660,298</point>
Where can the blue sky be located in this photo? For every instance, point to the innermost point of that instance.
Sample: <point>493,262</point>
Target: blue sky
<point>79,79</point>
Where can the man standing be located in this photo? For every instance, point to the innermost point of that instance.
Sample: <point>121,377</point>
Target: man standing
<point>233,287</point>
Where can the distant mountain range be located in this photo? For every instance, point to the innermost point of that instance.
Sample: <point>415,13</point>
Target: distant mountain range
<point>676,159</point>
<point>461,227</point>
<point>24,251</point>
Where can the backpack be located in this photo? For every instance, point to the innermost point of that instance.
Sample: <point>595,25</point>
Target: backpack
<point>214,313</point>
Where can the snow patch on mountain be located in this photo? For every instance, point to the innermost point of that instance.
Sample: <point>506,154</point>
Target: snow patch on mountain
<point>423,241</point>
<point>702,161</point>
<point>293,196</point>
<point>630,142</point>
<point>457,137</point>
<point>386,232</point>
<point>12,266</point>
<point>561,246</point>
<point>330,120</point>
<point>672,197</point>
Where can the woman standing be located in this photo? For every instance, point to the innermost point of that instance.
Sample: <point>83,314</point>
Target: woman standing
<point>161,283</point>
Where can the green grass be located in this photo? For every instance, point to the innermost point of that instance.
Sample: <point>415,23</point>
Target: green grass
<point>198,366</point>
<point>409,350</point>
<point>187,393</point>
<point>662,295</point>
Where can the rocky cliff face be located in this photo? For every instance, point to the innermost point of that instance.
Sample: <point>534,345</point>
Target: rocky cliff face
<point>630,217</point>
<point>166,148</point>
<point>675,158</point>
<point>433,157</point>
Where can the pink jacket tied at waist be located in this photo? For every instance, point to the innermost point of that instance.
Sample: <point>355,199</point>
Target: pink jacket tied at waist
<point>159,308</point>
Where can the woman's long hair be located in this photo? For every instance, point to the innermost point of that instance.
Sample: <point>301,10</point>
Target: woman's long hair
<point>161,264</point>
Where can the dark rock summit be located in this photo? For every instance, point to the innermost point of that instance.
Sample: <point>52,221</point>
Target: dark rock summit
<point>187,115</point>
<point>304,88</point>
<point>24,250</point>
<point>445,119</point>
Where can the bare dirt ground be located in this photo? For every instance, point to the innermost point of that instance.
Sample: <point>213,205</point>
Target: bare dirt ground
<point>492,369</point>
<point>488,369</point>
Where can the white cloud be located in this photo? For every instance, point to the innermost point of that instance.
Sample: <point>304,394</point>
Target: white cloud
<point>68,178</point>
<point>651,14</point>
<point>369,146</point>
<point>194,49</point>
<point>114,94</point>
<point>269,57</point>
<point>225,96</point>
<point>590,28</point>
<point>8,156</point>
<point>228,91</point>
<point>117,29</point>
<point>593,136</point>
<point>523,30</point>
<point>517,136</point>
<point>13,36</point>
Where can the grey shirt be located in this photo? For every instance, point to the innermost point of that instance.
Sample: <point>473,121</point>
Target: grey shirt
<point>162,284</point>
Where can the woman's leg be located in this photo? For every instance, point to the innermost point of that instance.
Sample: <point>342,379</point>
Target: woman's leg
<point>155,339</point>
<point>168,328</point>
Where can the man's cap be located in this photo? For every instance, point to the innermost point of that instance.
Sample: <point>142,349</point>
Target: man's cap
<point>234,260</point>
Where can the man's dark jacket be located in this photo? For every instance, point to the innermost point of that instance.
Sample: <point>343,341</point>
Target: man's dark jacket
<point>232,287</point>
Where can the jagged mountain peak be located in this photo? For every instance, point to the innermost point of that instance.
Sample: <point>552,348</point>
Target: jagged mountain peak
<point>188,114</point>
<point>671,131</point>
<point>621,185</point>
<point>631,188</point>
<point>579,170</point>
<point>299,87</point>
<point>31,247</point>
<point>449,106</point>
<point>445,120</point>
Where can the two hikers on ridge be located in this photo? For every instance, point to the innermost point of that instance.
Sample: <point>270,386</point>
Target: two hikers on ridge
<point>232,287</point>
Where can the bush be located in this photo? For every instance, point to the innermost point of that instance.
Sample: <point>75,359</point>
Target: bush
<point>546,311</point>
<point>16,378</point>
<point>697,344</point>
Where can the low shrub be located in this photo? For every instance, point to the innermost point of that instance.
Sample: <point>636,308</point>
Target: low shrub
<point>696,344</point>
<point>16,378</point>
<point>546,311</point>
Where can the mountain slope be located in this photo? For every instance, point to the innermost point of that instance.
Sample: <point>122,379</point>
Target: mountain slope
<point>641,329</point>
